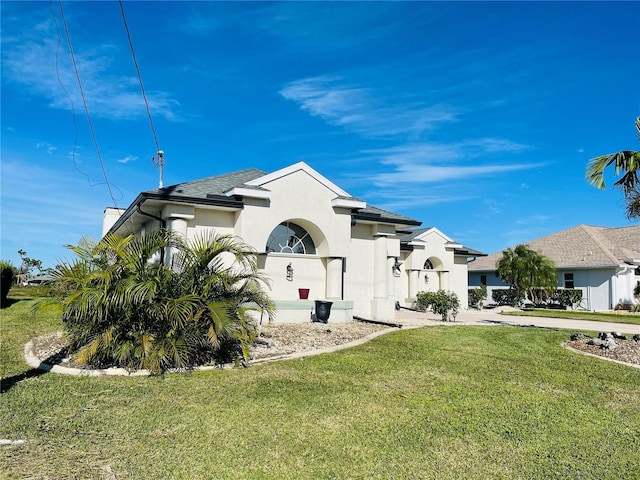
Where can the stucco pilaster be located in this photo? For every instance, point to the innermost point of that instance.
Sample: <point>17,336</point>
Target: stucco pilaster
<point>334,278</point>
<point>444,280</point>
<point>414,283</point>
<point>380,277</point>
<point>178,225</point>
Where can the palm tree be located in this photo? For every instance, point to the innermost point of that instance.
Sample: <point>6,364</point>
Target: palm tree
<point>123,307</point>
<point>527,272</point>
<point>625,163</point>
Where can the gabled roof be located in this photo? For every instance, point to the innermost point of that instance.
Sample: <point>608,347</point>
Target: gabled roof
<point>579,247</point>
<point>409,236</point>
<point>375,214</point>
<point>211,186</point>
<point>228,190</point>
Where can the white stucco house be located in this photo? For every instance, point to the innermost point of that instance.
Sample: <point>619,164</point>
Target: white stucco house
<point>602,262</point>
<point>309,234</point>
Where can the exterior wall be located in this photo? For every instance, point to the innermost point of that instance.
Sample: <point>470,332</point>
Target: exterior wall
<point>352,266</point>
<point>458,282</point>
<point>623,284</point>
<point>308,272</point>
<point>449,271</point>
<point>359,270</point>
<point>109,218</point>
<point>301,199</point>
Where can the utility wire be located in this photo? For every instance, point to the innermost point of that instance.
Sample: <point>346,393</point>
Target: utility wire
<point>72,105</point>
<point>135,62</point>
<point>84,102</point>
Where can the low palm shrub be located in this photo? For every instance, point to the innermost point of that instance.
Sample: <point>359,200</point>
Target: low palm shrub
<point>123,306</point>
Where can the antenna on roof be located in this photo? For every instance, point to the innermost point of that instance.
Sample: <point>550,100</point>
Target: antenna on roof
<point>158,162</point>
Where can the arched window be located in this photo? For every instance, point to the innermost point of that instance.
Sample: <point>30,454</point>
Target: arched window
<point>428,265</point>
<point>289,237</point>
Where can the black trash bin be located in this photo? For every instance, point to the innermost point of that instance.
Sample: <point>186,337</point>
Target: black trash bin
<point>323,310</point>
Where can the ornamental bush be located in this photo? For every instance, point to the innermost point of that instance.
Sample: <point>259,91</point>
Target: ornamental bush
<point>477,296</point>
<point>442,303</point>
<point>6,280</point>
<point>124,307</point>
<point>507,296</point>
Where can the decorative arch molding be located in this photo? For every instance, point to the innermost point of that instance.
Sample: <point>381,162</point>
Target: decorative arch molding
<point>297,236</point>
<point>433,263</point>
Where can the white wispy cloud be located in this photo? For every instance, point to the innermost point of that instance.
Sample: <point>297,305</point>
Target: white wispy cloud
<point>439,162</point>
<point>535,219</point>
<point>47,146</point>
<point>371,113</point>
<point>411,197</point>
<point>364,111</point>
<point>40,64</point>
<point>433,174</point>
<point>127,159</point>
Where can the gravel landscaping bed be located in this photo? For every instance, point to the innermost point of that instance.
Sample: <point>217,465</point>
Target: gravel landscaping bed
<point>627,351</point>
<point>274,340</point>
<point>283,339</point>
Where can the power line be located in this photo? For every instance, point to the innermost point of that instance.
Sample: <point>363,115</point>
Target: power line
<point>73,108</point>
<point>84,102</point>
<point>135,62</point>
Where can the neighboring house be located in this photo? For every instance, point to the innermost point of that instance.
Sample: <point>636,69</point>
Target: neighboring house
<point>309,234</point>
<point>36,280</point>
<point>603,262</point>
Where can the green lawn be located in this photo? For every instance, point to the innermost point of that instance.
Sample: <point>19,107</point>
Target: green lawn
<point>440,402</point>
<point>628,318</point>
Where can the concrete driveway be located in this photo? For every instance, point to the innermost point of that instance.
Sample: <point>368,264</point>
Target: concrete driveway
<point>410,318</point>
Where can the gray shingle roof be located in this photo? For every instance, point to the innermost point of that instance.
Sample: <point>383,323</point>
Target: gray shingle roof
<point>580,246</point>
<point>378,213</point>
<point>211,185</point>
<point>217,186</point>
<point>411,235</point>
<point>408,236</point>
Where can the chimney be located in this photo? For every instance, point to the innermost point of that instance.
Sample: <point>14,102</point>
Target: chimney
<point>110,217</point>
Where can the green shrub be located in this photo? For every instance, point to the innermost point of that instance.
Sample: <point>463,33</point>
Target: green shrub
<point>507,296</point>
<point>561,297</point>
<point>441,303</point>
<point>477,296</point>
<point>6,280</point>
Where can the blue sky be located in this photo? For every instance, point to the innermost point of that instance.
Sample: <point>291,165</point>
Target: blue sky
<point>477,118</point>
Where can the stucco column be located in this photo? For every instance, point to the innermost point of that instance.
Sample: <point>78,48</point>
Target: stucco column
<point>444,280</point>
<point>414,283</point>
<point>334,278</point>
<point>179,226</point>
<point>380,276</point>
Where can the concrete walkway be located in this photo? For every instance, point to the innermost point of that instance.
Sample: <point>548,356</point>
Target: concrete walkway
<point>493,317</point>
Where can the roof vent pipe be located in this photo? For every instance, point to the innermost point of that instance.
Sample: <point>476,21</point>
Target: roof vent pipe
<point>159,162</point>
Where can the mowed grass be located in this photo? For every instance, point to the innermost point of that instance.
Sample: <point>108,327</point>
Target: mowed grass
<point>627,318</point>
<point>439,402</point>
